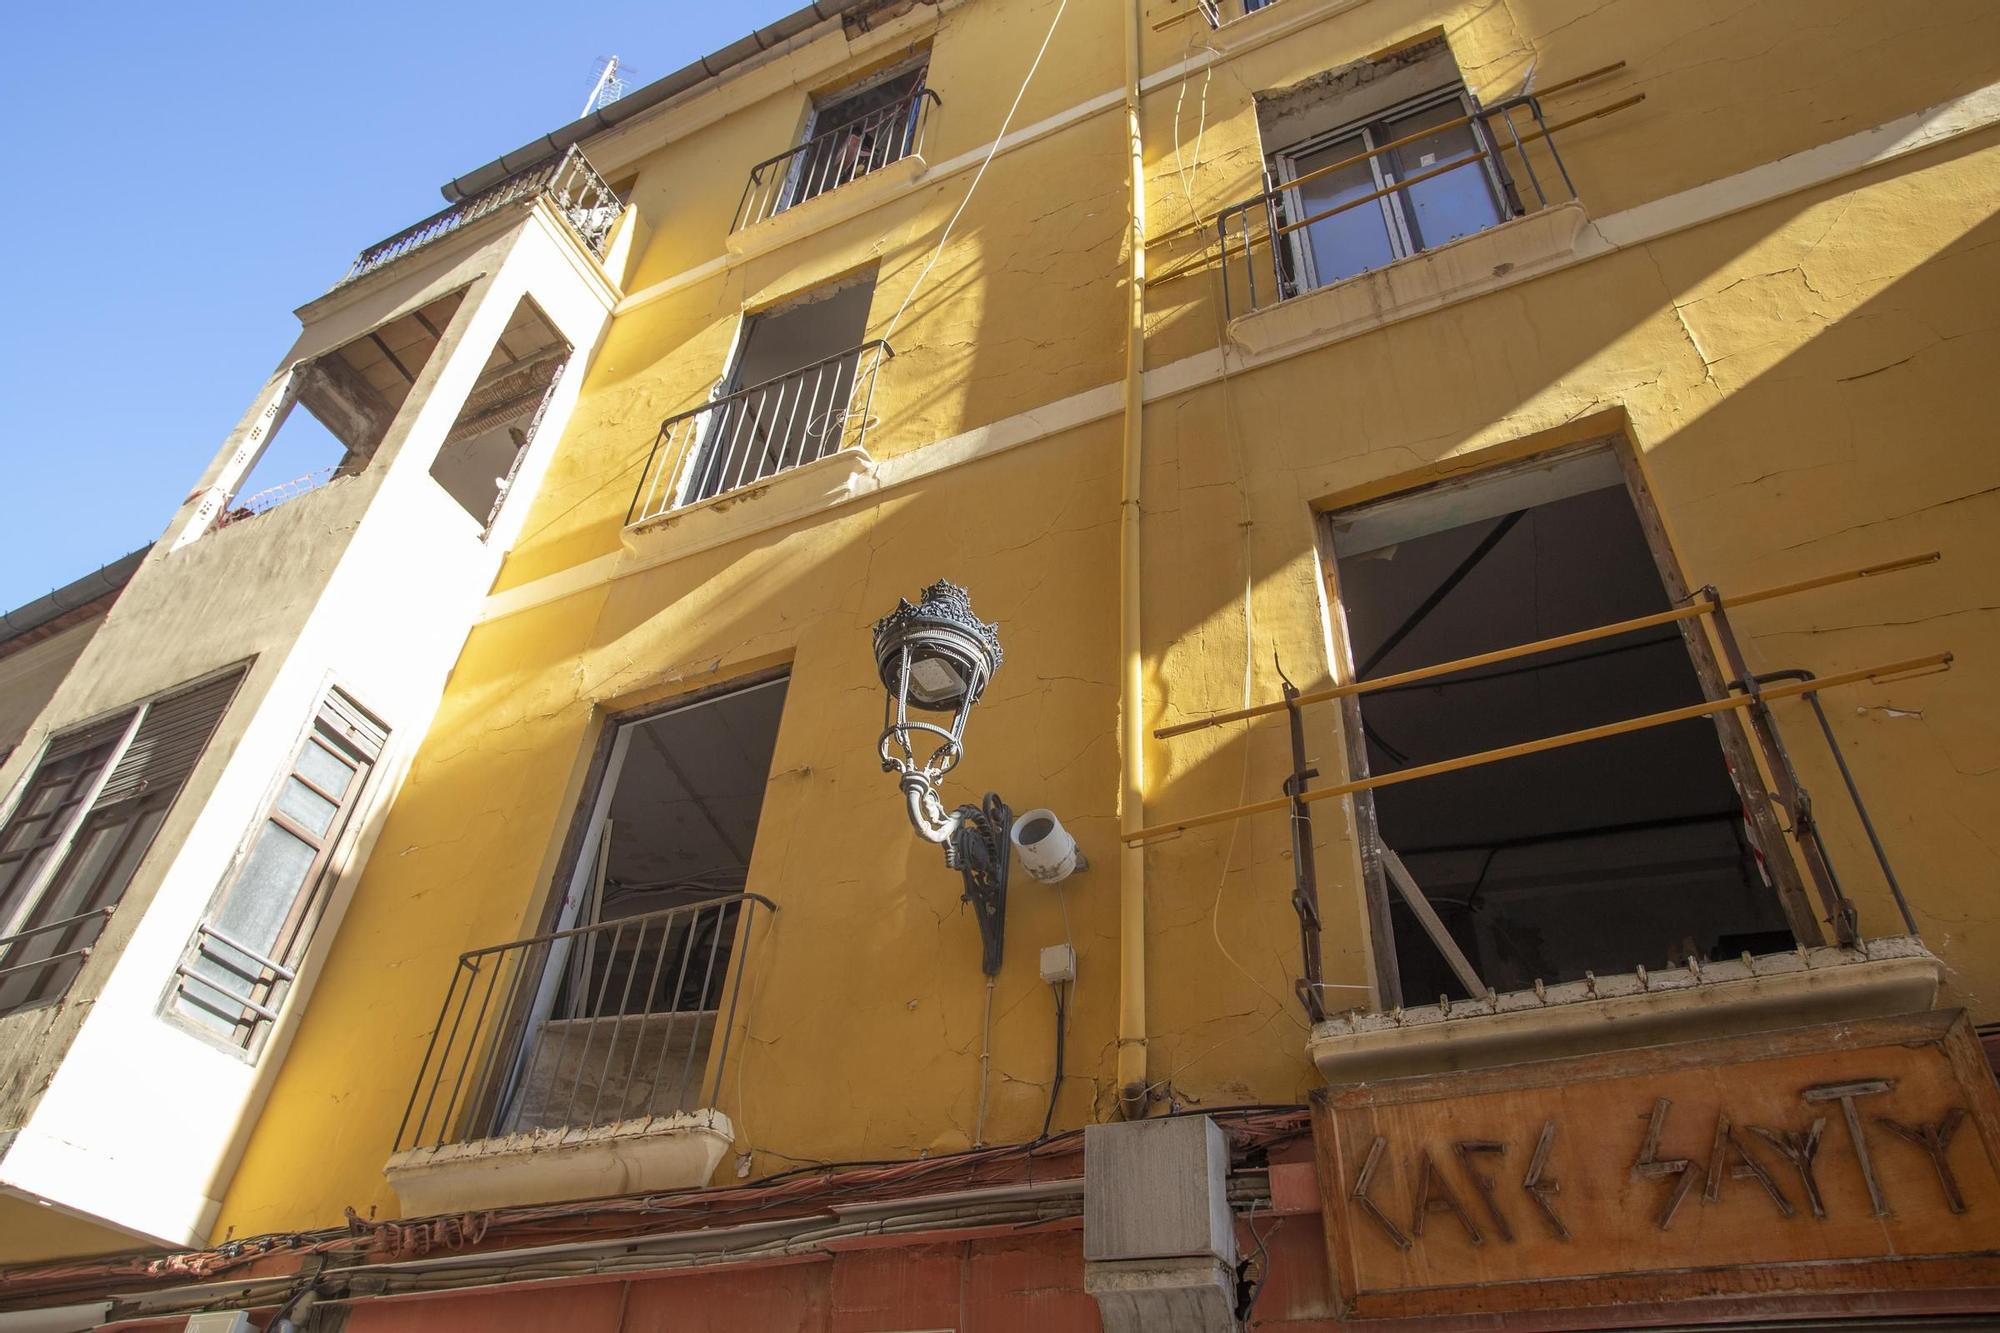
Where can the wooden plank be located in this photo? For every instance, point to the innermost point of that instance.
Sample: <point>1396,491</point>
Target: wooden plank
<point>1420,907</point>
<point>1717,1171</point>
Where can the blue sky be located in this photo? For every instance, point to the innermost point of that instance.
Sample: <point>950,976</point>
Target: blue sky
<point>183,176</point>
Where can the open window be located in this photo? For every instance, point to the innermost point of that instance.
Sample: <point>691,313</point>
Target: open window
<point>350,396</point>
<point>487,442</point>
<point>858,129</point>
<point>247,951</point>
<point>86,817</point>
<point>624,1000</point>
<point>851,130</point>
<point>797,391</point>
<point>1639,850</point>
<point>1378,161</point>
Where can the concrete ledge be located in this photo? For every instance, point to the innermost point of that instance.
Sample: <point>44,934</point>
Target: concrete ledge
<point>1190,1295</point>
<point>827,209</point>
<point>1484,261</point>
<point>776,500</point>
<point>630,1157</point>
<point>1767,993</point>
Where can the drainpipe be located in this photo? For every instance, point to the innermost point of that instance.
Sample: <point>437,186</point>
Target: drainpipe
<point>1131,699</point>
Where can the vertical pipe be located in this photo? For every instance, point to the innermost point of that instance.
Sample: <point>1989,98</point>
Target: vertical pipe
<point>1131,720</point>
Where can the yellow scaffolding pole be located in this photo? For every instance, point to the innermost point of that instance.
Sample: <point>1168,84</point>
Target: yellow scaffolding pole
<point>1934,661</point>
<point>1704,606</point>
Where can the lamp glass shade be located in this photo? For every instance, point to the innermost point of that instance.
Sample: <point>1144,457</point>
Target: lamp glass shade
<point>952,653</point>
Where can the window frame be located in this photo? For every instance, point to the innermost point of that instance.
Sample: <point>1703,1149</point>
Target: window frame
<point>355,736</point>
<point>567,900</point>
<point>75,937</point>
<point>1396,209</point>
<point>819,104</point>
<point>1785,883</point>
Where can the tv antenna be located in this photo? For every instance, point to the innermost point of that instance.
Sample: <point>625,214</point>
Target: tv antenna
<point>608,88</point>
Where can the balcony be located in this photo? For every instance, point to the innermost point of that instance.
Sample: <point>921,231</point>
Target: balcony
<point>751,435</point>
<point>1606,934</point>
<point>1392,238</point>
<point>573,1064</point>
<point>569,183</point>
<point>863,146</point>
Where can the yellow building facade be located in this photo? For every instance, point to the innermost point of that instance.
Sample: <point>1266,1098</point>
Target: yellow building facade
<point>1425,331</point>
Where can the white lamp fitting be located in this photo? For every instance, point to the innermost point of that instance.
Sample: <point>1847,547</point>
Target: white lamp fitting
<point>1045,847</point>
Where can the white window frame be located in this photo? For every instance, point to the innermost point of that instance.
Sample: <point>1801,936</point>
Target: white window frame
<point>1394,206</point>
<point>333,725</point>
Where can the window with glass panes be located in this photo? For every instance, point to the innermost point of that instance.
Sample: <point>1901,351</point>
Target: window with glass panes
<point>86,819</point>
<point>1342,188</point>
<point>246,954</point>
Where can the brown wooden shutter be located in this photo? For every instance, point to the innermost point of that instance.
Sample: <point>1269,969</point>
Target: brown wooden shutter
<point>170,739</point>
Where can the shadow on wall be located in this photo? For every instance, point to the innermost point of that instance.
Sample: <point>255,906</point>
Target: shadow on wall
<point>1826,427</point>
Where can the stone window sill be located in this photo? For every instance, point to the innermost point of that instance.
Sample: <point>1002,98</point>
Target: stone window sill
<point>1763,994</point>
<point>1470,266</point>
<point>638,1156</point>
<point>825,210</point>
<point>777,499</point>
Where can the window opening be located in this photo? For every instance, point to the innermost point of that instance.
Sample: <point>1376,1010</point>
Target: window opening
<point>483,450</point>
<point>1630,851</point>
<point>245,956</point>
<point>623,1015</point>
<point>350,396</point>
<point>1351,136</point>
<point>86,820</point>
<point>791,396</point>
<point>858,129</point>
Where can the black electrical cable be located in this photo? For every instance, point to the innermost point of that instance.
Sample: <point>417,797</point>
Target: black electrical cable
<point>1055,1087</point>
<point>1493,538</point>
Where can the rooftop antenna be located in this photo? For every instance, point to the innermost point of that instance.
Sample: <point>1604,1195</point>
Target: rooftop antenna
<point>608,88</point>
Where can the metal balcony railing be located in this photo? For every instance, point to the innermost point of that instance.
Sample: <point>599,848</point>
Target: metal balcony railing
<point>271,497</point>
<point>832,158</point>
<point>1260,238</point>
<point>1748,693</point>
<point>756,432</point>
<point>584,1027</point>
<point>570,183</point>
<point>38,964</point>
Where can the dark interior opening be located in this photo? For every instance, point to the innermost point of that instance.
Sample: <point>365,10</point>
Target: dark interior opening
<point>634,1005</point>
<point>1603,856</point>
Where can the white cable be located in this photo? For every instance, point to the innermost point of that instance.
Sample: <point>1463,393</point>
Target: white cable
<point>992,149</point>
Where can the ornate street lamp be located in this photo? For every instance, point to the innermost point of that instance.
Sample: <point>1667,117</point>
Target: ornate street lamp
<point>937,657</point>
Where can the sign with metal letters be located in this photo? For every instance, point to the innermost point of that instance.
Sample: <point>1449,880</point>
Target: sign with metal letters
<point>1853,1157</point>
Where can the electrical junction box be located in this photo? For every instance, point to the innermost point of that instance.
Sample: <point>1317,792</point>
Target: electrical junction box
<point>1058,964</point>
<point>1157,1189</point>
<point>223,1321</point>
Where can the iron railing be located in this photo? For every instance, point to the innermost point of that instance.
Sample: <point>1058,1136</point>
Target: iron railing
<point>584,1027</point>
<point>1798,834</point>
<point>832,158</point>
<point>1259,263</point>
<point>569,181</point>
<point>257,502</point>
<point>756,432</point>
<point>26,980</point>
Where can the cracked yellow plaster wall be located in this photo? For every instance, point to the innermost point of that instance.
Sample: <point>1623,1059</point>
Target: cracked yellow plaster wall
<point>1806,380</point>
<point>1728,86</point>
<point>862,999</point>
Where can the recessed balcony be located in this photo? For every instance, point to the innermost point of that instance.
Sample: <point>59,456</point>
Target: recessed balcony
<point>577,1064</point>
<point>878,137</point>
<point>740,441</point>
